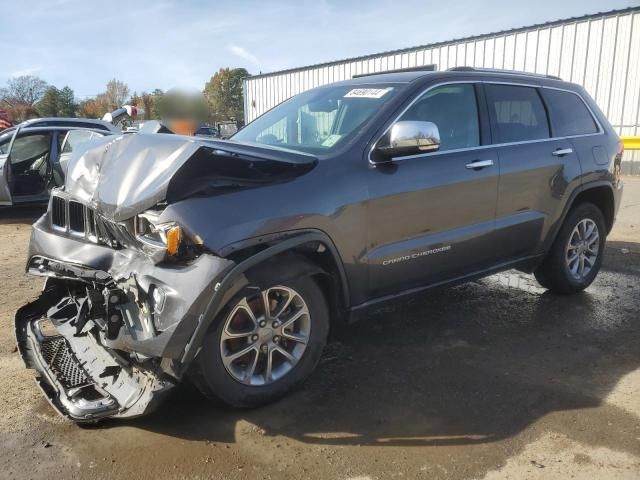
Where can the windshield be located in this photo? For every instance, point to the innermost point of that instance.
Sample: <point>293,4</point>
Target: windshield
<point>317,121</point>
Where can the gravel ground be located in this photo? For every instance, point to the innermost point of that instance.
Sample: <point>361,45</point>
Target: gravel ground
<point>494,379</point>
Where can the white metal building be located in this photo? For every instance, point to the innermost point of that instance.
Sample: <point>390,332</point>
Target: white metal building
<point>599,51</point>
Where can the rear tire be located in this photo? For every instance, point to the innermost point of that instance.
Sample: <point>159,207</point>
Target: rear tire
<point>272,366</point>
<point>576,255</point>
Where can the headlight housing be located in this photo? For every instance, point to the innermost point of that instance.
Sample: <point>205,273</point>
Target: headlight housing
<point>158,238</point>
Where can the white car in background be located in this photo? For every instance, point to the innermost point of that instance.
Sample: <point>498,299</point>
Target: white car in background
<point>31,154</point>
<point>34,154</point>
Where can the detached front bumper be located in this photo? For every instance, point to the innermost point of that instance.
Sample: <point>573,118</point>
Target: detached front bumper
<point>99,343</point>
<point>82,380</point>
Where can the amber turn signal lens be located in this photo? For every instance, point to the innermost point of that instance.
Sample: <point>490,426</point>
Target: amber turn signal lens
<point>174,237</point>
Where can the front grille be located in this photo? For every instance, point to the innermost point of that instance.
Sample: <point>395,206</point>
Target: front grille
<point>61,361</point>
<point>58,212</point>
<point>91,223</point>
<point>76,217</point>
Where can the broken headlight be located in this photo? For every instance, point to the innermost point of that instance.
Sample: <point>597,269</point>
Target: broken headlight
<point>159,237</point>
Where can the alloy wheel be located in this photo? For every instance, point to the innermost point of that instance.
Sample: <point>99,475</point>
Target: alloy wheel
<point>265,336</point>
<point>582,249</point>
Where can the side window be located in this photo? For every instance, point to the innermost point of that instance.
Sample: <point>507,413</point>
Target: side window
<point>569,114</point>
<point>29,152</point>
<point>518,113</point>
<point>75,138</point>
<point>454,110</point>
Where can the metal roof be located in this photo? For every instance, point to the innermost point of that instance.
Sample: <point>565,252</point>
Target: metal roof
<point>552,23</point>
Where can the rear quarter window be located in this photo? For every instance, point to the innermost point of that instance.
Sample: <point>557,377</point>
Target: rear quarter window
<point>569,114</point>
<point>518,114</point>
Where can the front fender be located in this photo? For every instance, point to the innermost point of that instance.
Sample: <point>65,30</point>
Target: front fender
<point>236,279</point>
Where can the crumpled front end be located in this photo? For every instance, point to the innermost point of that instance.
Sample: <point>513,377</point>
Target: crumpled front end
<point>131,287</point>
<point>83,380</point>
<point>112,331</point>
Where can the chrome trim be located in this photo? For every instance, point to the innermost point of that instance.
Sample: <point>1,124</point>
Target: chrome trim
<point>561,152</point>
<point>415,99</point>
<point>90,234</point>
<point>479,147</point>
<point>55,227</point>
<point>414,135</point>
<point>479,164</point>
<point>76,233</point>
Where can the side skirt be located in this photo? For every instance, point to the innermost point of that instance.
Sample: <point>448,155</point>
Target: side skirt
<point>525,264</point>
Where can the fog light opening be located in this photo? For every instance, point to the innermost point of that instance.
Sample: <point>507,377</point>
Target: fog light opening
<point>158,298</point>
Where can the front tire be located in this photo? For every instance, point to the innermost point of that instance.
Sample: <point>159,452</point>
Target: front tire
<point>576,255</point>
<point>263,344</point>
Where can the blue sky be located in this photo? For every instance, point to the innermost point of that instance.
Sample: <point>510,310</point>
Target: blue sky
<point>165,43</point>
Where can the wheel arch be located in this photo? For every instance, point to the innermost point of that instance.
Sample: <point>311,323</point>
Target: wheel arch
<point>313,253</point>
<point>602,197</point>
<point>600,193</point>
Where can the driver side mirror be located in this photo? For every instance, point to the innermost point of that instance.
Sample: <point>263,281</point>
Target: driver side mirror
<point>408,137</point>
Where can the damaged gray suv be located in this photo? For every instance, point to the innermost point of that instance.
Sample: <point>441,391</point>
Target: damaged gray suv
<point>229,261</point>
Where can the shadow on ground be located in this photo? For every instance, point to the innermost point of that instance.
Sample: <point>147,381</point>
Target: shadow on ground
<point>25,215</point>
<point>465,365</point>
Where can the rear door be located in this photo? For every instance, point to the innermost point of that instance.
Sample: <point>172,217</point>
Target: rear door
<point>572,119</point>
<point>431,216</point>
<point>536,170</point>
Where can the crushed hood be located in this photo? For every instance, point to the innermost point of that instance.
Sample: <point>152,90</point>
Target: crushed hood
<point>125,175</point>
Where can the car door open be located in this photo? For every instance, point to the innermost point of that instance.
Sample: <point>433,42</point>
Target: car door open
<point>30,168</point>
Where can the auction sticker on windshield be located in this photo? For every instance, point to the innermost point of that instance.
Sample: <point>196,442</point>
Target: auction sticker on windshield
<point>367,92</point>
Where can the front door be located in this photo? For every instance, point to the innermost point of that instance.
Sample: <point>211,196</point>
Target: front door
<point>431,216</point>
<point>6,141</point>
<point>29,166</point>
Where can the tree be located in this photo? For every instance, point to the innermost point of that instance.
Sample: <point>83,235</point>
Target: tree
<point>21,95</point>
<point>224,94</point>
<point>67,103</point>
<point>57,103</point>
<point>90,108</point>
<point>116,95</point>
<point>147,103</point>
<point>24,90</point>
<point>156,104</point>
<point>49,105</point>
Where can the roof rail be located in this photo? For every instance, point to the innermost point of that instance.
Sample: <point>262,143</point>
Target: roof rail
<point>506,72</point>
<point>424,68</point>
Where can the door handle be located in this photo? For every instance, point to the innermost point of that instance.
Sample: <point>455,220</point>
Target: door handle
<point>561,152</point>
<point>478,164</point>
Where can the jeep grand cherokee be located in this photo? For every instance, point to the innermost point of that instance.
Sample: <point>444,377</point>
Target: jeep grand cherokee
<point>228,261</point>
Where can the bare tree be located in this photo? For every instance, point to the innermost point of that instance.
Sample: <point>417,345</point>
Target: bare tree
<point>117,94</point>
<point>114,97</point>
<point>26,90</point>
<point>20,96</point>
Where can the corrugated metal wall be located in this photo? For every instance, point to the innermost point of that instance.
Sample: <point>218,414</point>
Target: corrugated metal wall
<point>600,52</point>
